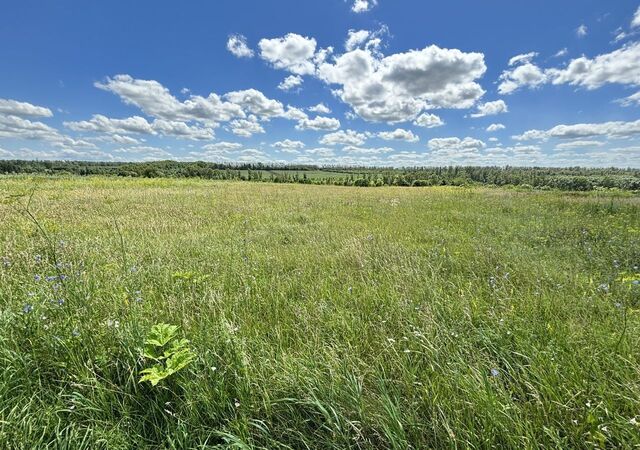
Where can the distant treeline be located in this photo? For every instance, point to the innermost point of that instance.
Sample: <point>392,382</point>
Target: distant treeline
<point>571,178</point>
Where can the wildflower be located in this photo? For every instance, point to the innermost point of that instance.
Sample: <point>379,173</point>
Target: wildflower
<point>495,372</point>
<point>113,323</point>
<point>75,332</point>
<point>27,308</point>
<point>37,277</point>
<point>237,403</point>
<point>6,262</point>
<point>350,289</point>
<point>636,282</point>
<point>616,263</point>
<point>604,287</point>
<point>633,421</point>
<point>38,258</point>
<point>63,277</point>
<point>51,278</point>
<point>618,305</point>
<point>492,282</point>
<point>60,302</point>
<point>133,269</point>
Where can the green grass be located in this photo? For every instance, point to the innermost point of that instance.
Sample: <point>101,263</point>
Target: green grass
<point>320,317</point>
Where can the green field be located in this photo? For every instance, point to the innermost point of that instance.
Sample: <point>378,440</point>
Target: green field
<point>318,316</point>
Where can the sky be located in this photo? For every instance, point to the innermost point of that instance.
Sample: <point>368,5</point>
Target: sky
<point>331,82</point>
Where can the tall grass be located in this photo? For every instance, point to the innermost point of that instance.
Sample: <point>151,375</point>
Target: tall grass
<point>321,317</point>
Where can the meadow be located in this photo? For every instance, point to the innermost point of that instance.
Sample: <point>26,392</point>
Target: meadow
<point>319,317</point>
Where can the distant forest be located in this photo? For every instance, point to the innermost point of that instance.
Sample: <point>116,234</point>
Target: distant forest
<point>570,179</point>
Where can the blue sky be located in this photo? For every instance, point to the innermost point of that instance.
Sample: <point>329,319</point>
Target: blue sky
<point>386,82</point>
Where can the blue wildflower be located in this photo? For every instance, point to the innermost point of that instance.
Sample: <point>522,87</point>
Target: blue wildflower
<point>60,302</point>
<point>37,277</point>
<point>604,287</point>
<point>51,278</point>
<point>27,308</point>
<point>636,282</point>
<point>75,332</point>
<point>495,372</point>
<point>38,258</point>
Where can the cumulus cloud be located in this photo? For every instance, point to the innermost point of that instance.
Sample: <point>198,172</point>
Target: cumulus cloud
<point>526,73</point>
<point>398,134</point>
<point>15,127</point>
<point>495,127</point>
<point>616,129</point>
<point>399,87</point>
<point>291,82</point>
<point>155,100</point>
<point>246,127</point>
<point>237,44</point>
<point>23,109</point>
<point>428,121</point>
<point>455,144</point>
<point>139,125</point>
<point>621,66</point>
<point>344,137</point>
<point>367,150</point>
<point>255,102</point>
<point>356,38</point>
<point>288,144</point>
<point>293,53</point>
<point>491,109</point>
<point>100,123</point>
<point>360,6</point>
<point>579,144</point>
<point>320,108</point>
<point>635,22</point>
<point>581,31</point>
<point>318,123</point>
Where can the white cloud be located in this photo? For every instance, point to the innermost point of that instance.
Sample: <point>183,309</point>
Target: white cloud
<point>621,66</point>
<point>139,125</point>
<point>360,6</point>
<point>320,108</point>
<point>428,121</point>
<point>155,100</point>
<point>237,44</point>
<point>255,102</point>
<point>16,108</point>
<point>367,151</point>
<point>100,123</point>
<point>632,100</point>
<point>562,52</point>
<point>246,128</point>
<point>398,134</point>
<point>344,137</point>
<point>19,128</point>
<point>456,144</point>
<point>291,82</point>
<point>578,144</point>
<point>288,144</point>
<point>635,22</point>
<point>356,38</point>
<point>325,152</point>
<point>222,146</point>
<point>293,52</point>
<point>525,74</point>
<point>399,87</point>
<point>584,130</point>
<point>523,58</point>
<point>318,123</point>
<point>495,127</point>
<point>491,109</point>
<point>581,31</point>
<point>182,130</point>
